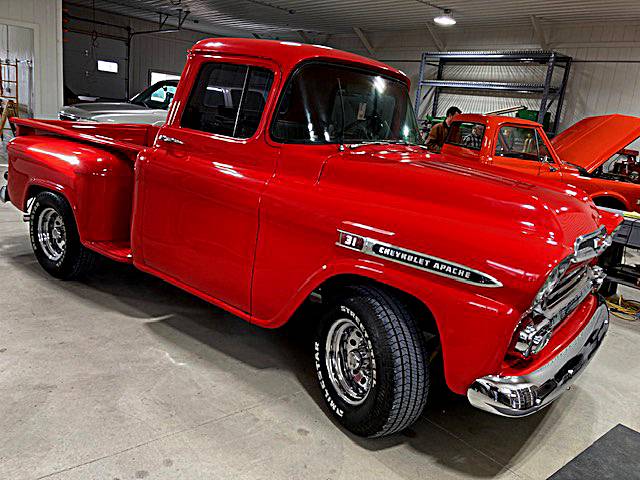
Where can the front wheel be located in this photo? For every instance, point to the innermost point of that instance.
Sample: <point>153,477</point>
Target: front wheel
<point>371,363</point>
<point>55,240</point>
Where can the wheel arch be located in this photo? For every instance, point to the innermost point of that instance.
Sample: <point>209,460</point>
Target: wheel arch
<point>332,286</point>
<point>35,188</point>
<point>611,200</point>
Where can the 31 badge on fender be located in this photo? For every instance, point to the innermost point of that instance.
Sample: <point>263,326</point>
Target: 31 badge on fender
<point>421,261</point>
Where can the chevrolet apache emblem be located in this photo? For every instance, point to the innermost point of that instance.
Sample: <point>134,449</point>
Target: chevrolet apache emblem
<point>428,263</point>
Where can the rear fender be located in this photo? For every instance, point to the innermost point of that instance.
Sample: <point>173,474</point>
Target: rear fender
<point>97,183</point>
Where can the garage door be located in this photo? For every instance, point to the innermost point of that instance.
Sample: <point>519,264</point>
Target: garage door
<point>81,73</point>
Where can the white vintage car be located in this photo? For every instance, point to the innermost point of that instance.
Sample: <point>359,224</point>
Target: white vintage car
<point>149,106</point>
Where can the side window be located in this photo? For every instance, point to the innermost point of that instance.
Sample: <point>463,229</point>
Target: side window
<point>518,142</point>
<point>466,134</point>
<point>228,99</point>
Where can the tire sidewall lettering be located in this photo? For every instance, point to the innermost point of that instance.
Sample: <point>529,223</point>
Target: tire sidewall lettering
<point>325,391</point>
<point>319,361</point>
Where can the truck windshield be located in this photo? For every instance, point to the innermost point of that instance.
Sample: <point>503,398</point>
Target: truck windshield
<point>326,103</point>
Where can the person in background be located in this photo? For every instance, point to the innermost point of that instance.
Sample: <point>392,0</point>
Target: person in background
<point>474,139</point>
<point>438,133</point>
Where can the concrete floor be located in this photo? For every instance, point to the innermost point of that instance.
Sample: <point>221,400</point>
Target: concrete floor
<point>125,377</point>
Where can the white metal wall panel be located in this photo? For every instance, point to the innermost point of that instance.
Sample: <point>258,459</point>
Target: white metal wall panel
<point>605,75</point>
<point>45,17</point>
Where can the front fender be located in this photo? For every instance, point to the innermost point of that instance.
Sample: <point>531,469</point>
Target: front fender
<point>97,183</point>
<point>474,329</point>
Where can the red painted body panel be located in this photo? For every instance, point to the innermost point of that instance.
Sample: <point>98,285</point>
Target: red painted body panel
<point>592,141</point>
<point>251,225</point>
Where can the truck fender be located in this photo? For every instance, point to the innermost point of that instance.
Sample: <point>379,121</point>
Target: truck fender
<point>97,183</point>
<point>454,308</point>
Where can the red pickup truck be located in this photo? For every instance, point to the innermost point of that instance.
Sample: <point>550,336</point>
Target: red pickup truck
<point>289,172</point>
<point>590,155</point>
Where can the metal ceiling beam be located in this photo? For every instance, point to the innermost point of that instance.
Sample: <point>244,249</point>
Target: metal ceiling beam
<point>365,41</point>
<point>436,38</point>
<point>541,37</point>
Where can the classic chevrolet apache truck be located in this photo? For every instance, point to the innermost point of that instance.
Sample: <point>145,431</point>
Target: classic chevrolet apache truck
<point>289,172</point>
<point>589,155</point>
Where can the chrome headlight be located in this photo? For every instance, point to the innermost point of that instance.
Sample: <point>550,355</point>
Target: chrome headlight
<point>550,283</point>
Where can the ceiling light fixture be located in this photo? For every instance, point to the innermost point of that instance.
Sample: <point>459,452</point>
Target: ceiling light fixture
<point>446,19</point>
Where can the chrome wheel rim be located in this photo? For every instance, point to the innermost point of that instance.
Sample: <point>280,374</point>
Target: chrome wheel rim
<point>350,361</point>
<point>52,235</point>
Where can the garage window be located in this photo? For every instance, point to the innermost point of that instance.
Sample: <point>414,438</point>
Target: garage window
<point>107,66</point>
<point>228,99</point>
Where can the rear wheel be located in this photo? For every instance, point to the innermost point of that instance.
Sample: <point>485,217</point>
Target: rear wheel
<point>371,362</point>
<point>55,240</point>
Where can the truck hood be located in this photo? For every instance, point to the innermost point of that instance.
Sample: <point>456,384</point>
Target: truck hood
<point>88,110</point>
<point>592,141</point>
<point>496,222</point>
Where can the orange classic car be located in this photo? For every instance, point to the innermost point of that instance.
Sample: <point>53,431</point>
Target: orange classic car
<point>590,155</point>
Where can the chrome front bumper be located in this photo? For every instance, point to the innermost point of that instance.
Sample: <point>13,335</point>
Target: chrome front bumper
<point>523,395</point>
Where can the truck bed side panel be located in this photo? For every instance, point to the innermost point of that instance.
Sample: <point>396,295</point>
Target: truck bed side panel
<point>97,182</point>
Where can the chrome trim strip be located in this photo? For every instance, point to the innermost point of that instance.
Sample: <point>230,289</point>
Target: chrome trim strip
<point>518,396</point>
<point>367,246</point>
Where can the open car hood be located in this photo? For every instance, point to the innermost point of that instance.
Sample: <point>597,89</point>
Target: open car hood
<point>592,141</point>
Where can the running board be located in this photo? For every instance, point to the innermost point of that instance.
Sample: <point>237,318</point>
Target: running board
<point>118,251</point>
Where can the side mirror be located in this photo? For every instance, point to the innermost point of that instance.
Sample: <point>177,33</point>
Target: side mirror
<point>546,159</point>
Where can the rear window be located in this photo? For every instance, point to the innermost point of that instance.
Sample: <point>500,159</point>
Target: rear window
<point>466,134</point>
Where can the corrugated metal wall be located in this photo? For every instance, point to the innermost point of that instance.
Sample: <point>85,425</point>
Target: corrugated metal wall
<point>604,76</point>
<point>44,17</point>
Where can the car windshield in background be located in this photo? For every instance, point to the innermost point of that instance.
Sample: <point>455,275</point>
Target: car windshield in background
<point>157,96</point>
<point>326,103</point>
<point>466,134</point>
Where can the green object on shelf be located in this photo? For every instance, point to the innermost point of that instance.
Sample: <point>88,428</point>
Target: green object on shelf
<point>533,116</point>
<point>433,120</point>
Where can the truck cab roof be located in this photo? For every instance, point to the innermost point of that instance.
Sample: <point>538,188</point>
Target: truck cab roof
<point>289,54</point>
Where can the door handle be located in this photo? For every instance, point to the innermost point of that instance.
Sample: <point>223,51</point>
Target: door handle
<point>164,138</point>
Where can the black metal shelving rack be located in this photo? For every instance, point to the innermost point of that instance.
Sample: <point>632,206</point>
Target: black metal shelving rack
<point>548,92</point>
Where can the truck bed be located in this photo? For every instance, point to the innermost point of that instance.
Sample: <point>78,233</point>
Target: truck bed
<point>128,137</point>
<point>97,180</point>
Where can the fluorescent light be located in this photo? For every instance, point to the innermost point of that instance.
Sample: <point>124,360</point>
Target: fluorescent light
<point>446,19</point>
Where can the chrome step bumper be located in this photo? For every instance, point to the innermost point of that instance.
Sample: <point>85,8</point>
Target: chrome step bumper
<point>524,395</point>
